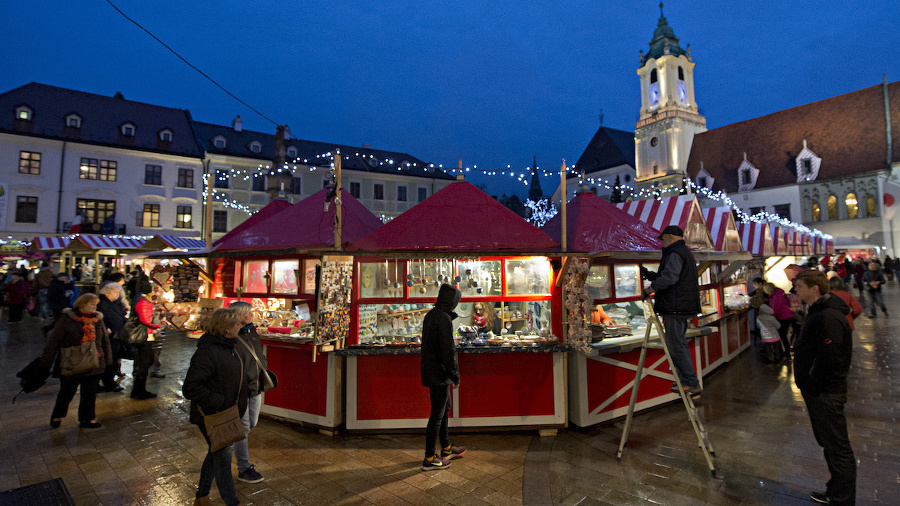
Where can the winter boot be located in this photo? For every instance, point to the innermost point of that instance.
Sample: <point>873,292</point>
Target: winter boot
<point>139,390</point>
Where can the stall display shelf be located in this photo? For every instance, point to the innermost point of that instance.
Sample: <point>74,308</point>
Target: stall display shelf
<point>402,313</point>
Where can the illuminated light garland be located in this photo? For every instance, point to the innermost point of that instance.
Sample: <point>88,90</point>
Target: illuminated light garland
<point>541,211</point>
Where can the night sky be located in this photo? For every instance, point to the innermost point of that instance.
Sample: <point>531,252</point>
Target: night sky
<point>493,83</point>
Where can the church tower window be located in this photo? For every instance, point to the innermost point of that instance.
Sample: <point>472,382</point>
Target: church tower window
<point>816,212</point>
<point>832,207</point>
<point>852,205</point>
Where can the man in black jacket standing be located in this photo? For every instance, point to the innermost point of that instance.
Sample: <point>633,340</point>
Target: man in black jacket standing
<point>821,362</point>
<point>677,301</point>
<point>440,369</point>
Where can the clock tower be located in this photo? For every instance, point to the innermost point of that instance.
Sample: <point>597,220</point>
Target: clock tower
<point>669,116</point>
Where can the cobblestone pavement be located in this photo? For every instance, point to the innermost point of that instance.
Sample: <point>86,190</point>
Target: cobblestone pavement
<point>147,453</point>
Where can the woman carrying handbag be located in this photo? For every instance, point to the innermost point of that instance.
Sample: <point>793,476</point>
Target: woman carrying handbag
<point>215,384</point>
<point>78,348</point>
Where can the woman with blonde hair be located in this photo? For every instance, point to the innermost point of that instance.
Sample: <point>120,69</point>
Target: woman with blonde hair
<point>77,325</point>
<point>214,383</point>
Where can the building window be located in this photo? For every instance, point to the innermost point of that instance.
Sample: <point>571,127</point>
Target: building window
<point>95,211</point>
<point>26,209</point>
<point>29,163</point>
<point>221,179</point>
<point>832,207</point>
<point>185,178</point>
<point>655,169</point>
<point>166,136</point>
<point>108,170</point>
<point>379,191</point>
<point>354,190</point>
<point>401,193</point>
<point>183,217</point>
<point>746,177</point>
<point>701,182</point>
<point>654,142</point>
<point>23,113</point>
<point>220,221</point>
<point>150,216</point>
<point>296,185</point>
<point>128,130</point>
<point>153,175</point>
<point>757,210</point>
<point>852,205</point>
<point>806,165</point>
<point>783,210</point>
<point>816,212</point>
<point>259,182</point>
<point>255,147</point>
<point>219,142</point>
<point>870,207</point>
<point>73,120</point>
<point>652,76</point>
<point>88,169</point>
<point>680,74</point>
<point>292,152</point>
<point>423,194</point>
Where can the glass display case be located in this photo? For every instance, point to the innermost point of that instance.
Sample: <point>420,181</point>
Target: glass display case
<point>736,298</point>
<point>598,283</point>
<point>529,276</point>
<point>385,323</point>
<point>284,276</point>
<point>626,279</point>
<point>278,277</point>
<point>380,280</point>
<point>479,277</point>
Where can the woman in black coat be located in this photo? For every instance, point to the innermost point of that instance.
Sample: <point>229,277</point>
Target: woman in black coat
<point>114,309</point>
<point>80,324</point>
<point>214,383</point>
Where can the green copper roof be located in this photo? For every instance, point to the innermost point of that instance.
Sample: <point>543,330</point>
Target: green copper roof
<point>664,39</point>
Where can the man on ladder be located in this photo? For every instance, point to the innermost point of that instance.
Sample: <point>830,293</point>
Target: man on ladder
<point>677,301</point>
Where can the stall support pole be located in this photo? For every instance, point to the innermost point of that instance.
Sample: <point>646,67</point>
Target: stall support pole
<point>562,206</point>
<point>337,199</point>
<point>699,430</point>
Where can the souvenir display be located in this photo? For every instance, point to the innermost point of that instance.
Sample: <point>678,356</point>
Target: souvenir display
<point>333,315</point>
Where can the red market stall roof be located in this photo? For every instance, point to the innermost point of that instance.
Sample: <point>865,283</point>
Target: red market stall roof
<point>305,225</point>
<point>594,225</point>
<point>756,238</point>
<point>829,246</point>
<point>681,210</point>
<point>272,208</point>
<point>159,242</point>
<point>51,243</point>
<point>458,218</point>
<point>724,232</point>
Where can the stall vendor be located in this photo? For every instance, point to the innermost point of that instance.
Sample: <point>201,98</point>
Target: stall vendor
<point>485,319</point>
<point>598,315</point>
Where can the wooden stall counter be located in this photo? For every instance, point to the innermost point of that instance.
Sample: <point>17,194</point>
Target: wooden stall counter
<point>308,392</point>
<point>502,386</point>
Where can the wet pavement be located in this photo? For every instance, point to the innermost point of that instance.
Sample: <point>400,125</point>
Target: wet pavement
<point>147,453</point>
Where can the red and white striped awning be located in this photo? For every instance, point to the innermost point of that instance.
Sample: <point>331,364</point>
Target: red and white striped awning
<point>779,243</point>
<point>681,210</point>
<point>756,238</point>
<point>829,246</point>
<point>182,242</point>
<point>110,241</point>
<point>724,232</point>
<point>51,243</point>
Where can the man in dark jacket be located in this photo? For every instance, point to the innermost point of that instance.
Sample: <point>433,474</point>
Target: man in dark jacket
<point>821,362</point>
<point>677,301</point>
<point>873,279</point>
<point>440,370</point>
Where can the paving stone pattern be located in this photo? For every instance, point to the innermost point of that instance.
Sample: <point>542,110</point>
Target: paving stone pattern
<point>147,453</point>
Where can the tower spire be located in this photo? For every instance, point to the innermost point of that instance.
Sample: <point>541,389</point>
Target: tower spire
<point>535,193</point>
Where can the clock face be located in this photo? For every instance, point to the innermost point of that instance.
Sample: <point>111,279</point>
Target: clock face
<point>682,93</point>
<point>654,94</point>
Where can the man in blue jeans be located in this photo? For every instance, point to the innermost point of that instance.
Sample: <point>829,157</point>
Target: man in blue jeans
<point>677,301</point>
<point>440,370</point>
<point>873,279</point>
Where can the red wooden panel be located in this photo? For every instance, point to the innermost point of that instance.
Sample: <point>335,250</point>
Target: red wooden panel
<point>505,384</point>
<point>714,346</point>
<point>302,384</point>
<point>733,334</point>
<point>389,387</point>
<point>604,380</point>
<point>743,328</point>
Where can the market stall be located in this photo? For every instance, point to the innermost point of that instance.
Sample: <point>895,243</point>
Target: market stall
<point>722,228</point>
<point>511,363</point>
<point>92,250</point>
<point>287,266</point>
<point>681,210</point>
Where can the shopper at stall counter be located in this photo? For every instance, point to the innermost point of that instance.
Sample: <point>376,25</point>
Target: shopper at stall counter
<point>144,351</point>
<point>822,355</point>
<point>439,371</point>
<point>677,301</point>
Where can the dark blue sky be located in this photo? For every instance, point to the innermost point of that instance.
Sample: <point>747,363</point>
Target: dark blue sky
<point>493,84</point>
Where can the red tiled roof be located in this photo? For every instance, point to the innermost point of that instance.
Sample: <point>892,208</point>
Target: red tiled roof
<point>847,132</point>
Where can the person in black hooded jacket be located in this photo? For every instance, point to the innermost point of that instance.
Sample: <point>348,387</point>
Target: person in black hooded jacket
<point>821,362</point>
<point>214,383</point>
<point>439,370</point>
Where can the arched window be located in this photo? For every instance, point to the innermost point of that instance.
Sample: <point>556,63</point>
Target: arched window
<point>832,207</point>
<point>680,74</point>
<point>852,205</point>
<point>870,207</point>
<point>816,212</point>
<point>652,76</point>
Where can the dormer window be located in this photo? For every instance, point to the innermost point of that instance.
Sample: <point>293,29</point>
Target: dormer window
<point>806,166</point>
<point>704,179</point>
<point>23,113</point>
<point>747,176</point>
<point>292,152</point>
<point>73,121</point>
<point>702,182</point>
<point>219,142</point>
<point>165,135</point>
<point>128,130</point>
<point>255,147</point>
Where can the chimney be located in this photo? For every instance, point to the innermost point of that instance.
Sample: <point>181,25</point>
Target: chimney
<point>366,145</point>
<point>237,124</point>
<point>287,132</point>
<point>119,95</point>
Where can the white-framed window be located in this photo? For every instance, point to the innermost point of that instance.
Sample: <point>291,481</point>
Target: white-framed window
<point>24,113</point>
<point>256,147</point>
<point>747,176</point>
<point>128,129</point>
<point>73,120</point>
<point>165,135</point>
<point>292,152</point>
<point>219,142</point>
<point>183,216</point>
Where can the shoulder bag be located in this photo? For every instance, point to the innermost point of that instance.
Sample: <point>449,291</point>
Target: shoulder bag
<point>75,360</point>
<point>133,332</point>
<point>266,377</point>
<point>225,427</point>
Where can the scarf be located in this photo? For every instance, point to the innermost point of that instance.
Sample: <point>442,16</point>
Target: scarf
<point>88,327</point>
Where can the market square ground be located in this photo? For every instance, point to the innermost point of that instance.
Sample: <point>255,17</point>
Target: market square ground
<point>147,453</point>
